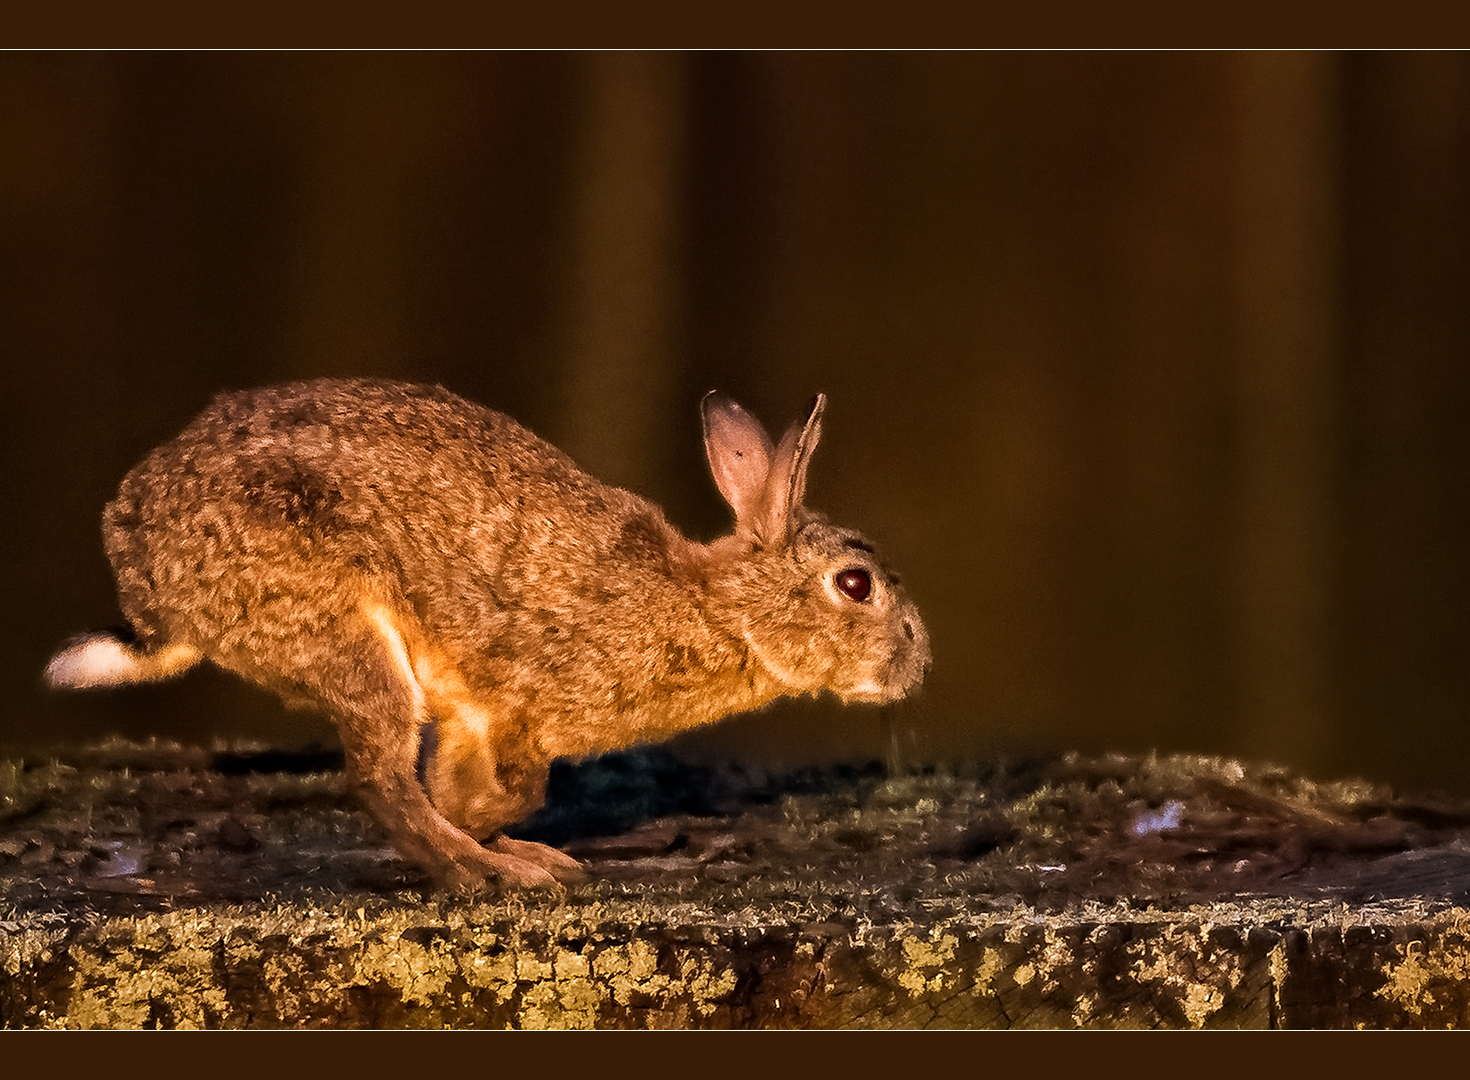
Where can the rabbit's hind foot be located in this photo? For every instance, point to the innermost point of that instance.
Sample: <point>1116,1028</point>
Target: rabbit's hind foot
<point>108,658</point>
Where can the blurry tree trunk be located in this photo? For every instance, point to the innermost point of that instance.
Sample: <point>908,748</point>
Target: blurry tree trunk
<point>364,134</point>
<point>621,324</point>
<point>1285,212</point>
<point>1403,679</point>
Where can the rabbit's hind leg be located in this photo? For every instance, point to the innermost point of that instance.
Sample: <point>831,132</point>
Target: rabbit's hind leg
<point>365,680</point>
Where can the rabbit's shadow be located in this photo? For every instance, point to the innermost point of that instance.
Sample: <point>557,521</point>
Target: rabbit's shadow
<point>601,796</point>
<point>617,792</point>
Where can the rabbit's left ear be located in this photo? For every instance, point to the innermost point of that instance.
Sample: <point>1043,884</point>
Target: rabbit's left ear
<point>786,484</point>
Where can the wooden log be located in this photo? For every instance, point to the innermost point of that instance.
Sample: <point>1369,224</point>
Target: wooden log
<point>165,886</point>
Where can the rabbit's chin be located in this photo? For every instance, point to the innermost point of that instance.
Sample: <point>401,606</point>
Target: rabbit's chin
<point>871,693</point>
<point>864,688</point>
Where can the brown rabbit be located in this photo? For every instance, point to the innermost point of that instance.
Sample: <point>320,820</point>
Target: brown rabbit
<point>466,604</point>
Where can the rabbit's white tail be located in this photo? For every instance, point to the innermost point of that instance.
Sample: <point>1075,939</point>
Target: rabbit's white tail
<point>103,658</point>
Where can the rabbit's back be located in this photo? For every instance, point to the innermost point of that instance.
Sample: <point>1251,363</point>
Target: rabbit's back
<point>271,513</point>
<point>328,454</point>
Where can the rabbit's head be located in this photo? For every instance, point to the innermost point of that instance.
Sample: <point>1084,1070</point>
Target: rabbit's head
<point>812,601</point>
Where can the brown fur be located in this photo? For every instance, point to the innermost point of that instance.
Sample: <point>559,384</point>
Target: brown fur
<point>392,554</point>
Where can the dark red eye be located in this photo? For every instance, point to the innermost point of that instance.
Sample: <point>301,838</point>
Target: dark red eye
<point>855,584</point>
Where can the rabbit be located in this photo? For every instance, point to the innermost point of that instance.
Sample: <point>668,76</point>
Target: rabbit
<point>467,605</point>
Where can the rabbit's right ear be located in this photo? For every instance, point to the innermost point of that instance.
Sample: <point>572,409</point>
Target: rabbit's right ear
<point>786,485</point>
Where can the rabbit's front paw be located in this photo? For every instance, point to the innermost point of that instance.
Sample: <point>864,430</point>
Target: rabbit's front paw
<point>557,863</point>
<point>495,871</point>
<point>517,864</point>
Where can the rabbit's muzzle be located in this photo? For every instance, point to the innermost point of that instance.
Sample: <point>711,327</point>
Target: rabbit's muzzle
<point>898,673</point>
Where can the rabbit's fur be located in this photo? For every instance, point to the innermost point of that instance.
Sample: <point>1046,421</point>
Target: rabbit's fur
<point>398,557</point>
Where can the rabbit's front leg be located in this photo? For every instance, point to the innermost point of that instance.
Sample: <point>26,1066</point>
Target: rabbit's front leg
<point>482,779</point>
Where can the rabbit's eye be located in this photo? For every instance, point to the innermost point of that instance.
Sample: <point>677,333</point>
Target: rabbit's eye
<point>855,584</point>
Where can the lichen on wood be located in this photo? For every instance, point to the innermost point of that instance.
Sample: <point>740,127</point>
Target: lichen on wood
<point>152,885</point>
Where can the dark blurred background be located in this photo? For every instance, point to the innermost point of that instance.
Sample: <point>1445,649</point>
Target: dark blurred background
<point>1148,370</point>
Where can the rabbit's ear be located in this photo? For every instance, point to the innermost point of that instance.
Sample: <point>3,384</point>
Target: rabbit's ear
<point>763,486</point>
<point>787,481</point>
<point>739,452</point>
